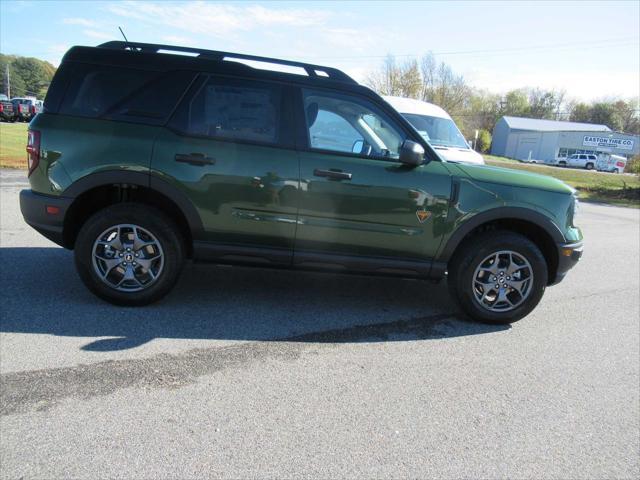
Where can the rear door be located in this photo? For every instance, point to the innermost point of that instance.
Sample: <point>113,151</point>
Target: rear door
<point>574,160</point>
<point>359,207</point>
<point>229,148</point>
<point>582,161</point>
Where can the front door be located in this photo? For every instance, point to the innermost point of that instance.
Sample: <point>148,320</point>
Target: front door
<point>228,150</point>
<point>358,204</point>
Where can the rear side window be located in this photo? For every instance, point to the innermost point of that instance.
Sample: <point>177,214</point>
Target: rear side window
<point>123,93</point>
<point>232,109</point>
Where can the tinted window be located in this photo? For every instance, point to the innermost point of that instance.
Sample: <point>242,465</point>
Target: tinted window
<point>155,101</point>
<point>345,123</point>
<point>232,109</point>
<point>124,93</point>
<point>96,89</point>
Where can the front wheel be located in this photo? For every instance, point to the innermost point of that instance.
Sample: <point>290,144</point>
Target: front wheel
<point>129,254</point>
<point>498,276</point>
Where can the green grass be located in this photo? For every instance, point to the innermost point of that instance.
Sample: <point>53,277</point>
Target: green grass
<point>592,186</point>
<point>13,144</point>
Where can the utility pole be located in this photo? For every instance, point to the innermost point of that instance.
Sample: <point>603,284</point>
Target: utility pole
<point>8,77</point>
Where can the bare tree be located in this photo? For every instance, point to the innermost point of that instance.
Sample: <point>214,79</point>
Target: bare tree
<point>396,79</point>
<point>545,103</point>
<point>440,85</point>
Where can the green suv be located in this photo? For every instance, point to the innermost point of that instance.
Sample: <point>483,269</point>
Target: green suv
<point>144,157</point>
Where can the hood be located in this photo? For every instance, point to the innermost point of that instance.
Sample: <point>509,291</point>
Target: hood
<point>515,178</point>
<point>455,154</point>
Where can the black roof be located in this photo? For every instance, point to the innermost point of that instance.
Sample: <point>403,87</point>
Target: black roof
<point>159,57</point>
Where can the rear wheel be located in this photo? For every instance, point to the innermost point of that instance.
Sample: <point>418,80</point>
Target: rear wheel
<point>589,166</point>
<point>129,254</point>
<point>498,276</point>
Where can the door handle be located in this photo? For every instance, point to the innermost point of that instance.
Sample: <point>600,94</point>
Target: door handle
<point>199,159</point>
<point>333,174</point>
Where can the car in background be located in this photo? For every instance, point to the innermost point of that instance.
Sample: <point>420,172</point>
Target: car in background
<point>24,109</point>
<point>6,109</point>
<point>437,127</point>
<point>611,163</point>
<point>579,160</point>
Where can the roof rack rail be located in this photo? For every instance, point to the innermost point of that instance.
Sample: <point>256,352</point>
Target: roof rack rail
<point>314,71</point>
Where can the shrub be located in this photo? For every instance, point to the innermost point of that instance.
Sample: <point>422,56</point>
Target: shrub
<point>633,165</point>
<point>484,141</point>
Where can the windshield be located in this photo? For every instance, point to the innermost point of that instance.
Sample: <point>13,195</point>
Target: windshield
<point>437,131</point>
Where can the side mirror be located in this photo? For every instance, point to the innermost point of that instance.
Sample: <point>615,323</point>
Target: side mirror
<point>411,153</point>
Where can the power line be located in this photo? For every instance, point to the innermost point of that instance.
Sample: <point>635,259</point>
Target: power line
<point>613,42</point>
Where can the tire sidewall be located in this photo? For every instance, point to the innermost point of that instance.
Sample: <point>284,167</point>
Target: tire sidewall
<point>482,247</point>
<point>151,220</point>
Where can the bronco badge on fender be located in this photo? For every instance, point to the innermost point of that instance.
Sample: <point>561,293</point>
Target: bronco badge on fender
<point>423,215</point>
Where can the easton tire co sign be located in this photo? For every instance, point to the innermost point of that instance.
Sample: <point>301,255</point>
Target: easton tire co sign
<point>620,143</point>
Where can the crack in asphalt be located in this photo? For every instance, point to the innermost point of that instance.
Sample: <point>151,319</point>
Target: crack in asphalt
<point>38,390</point>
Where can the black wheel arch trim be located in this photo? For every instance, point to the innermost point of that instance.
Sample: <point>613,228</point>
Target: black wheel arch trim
<point>142,179</point>
<point>500,213</point>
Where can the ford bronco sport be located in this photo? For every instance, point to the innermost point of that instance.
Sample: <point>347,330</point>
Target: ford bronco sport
<point>143,158</point>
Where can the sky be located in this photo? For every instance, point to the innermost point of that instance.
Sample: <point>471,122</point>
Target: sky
<point>589,49</point>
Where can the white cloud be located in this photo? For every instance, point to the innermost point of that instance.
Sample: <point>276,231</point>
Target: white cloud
<point>356,40</point>
<point>583,84</point>
<point>216,20</point>
<point>176,39</point>
<point>98,34</point>
<point>83,22</point>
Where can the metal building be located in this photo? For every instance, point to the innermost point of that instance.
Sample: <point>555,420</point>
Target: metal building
<point>549,140</point>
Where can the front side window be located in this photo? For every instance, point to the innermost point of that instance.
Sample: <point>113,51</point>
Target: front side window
<point>232,109</point>
<point>345,123</point>
<point>438,131</point>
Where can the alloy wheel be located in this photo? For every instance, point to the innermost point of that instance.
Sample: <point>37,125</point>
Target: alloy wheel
<point>127,257</point>
<point>502,281</point>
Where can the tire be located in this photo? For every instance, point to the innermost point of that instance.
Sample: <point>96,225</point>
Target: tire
<point>470,256</point>
<point>158,240</point>
<point>589,166</point>
<point>562,164</point>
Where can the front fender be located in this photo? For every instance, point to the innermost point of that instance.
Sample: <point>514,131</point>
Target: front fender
<point>499,213</point>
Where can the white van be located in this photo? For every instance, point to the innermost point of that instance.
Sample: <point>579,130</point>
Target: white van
<point>611,163</point>
<point>437,127</point>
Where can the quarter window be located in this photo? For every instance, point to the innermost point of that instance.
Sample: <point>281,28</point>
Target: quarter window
<point>344,123</point>
<point>237,110</point>
<point>124,93</point>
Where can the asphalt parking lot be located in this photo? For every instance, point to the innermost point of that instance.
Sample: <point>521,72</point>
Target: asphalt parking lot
<point>261,373</point>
